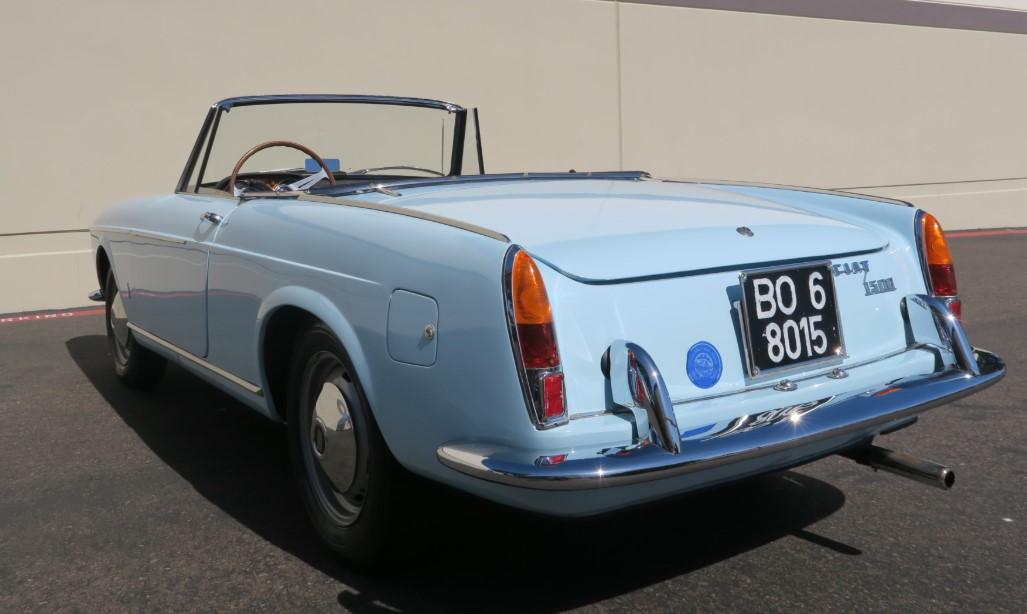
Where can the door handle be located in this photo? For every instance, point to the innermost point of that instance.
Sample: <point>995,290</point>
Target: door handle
<point>212,217</point>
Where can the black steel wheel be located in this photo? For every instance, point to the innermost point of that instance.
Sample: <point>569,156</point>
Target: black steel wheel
<point>346,476</point>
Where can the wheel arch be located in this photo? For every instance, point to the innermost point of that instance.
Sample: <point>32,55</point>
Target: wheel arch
<point>282,315</point>
<point>103,266</point>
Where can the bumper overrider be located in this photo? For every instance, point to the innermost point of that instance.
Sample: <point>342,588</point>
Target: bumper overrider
<point>766,441</point>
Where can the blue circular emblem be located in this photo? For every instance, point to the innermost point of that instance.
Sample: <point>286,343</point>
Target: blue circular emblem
<point>704,365</point>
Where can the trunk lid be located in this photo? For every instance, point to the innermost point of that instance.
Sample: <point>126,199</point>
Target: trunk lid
<point>616,230</point>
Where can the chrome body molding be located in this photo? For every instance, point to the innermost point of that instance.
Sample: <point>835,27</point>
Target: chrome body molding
<point>142,234</point>
<point>422,215</point>
<point>796,433</point>
<point>795,188</point>
<point>808,431</point>
<point>238,381</point>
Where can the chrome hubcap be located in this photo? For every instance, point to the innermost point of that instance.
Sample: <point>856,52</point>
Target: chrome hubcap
<point>332,437</point>
<point>119,321</point>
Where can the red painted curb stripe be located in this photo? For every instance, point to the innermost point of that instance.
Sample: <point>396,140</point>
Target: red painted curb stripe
<point>51,315</point>
<point>986,233</point>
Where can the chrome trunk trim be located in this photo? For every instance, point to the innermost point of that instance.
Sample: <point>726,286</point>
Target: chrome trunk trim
<point>713,183</point>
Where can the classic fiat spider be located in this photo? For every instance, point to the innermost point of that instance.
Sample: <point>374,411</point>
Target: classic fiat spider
<point>568,343</point>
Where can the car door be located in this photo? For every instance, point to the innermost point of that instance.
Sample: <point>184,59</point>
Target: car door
<point>161,266</point>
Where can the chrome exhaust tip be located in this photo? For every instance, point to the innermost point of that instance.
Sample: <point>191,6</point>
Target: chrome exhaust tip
<point>905,465</point>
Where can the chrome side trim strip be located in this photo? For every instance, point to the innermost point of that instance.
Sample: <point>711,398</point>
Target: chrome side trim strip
<point>142,234</point>
<point>921,248</point>
<point>769,440</point>
<point>438,219</point>
<point>238,381</point>
<point>712,183</point>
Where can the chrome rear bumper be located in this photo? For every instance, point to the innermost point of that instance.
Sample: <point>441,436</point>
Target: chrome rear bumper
<point>784,436</point>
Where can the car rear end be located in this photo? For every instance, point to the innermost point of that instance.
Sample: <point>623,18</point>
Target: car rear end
<point>655,362</point>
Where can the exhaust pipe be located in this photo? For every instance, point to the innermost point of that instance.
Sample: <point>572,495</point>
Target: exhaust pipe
<point>918,469</point>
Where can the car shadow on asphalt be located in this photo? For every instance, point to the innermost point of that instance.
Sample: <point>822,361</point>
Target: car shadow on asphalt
<point>465,553</point>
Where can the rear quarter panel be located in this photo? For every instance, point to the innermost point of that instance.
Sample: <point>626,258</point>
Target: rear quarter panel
<point>343,265</point>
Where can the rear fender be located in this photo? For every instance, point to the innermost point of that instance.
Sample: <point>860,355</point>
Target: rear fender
<point>324,310</point>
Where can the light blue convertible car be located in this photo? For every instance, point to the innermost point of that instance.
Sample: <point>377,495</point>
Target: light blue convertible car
<point>567,343</point>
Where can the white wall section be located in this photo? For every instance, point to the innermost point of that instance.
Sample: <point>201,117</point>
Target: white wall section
<point>102,100</point>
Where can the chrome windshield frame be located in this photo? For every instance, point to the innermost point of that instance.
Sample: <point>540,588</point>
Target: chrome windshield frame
<point>208,130</point>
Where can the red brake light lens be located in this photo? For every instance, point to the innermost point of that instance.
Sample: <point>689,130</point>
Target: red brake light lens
<point>554,404</point>
<point>538,346</point>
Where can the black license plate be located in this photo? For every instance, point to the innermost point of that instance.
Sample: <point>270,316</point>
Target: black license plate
<point>790,318</point>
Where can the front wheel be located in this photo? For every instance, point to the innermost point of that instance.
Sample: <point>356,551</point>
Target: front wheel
<point>347,478</point>
<point>135,366</point>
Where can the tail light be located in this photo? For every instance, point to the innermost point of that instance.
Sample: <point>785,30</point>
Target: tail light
<point>941,275</point>
<point>536,352</point>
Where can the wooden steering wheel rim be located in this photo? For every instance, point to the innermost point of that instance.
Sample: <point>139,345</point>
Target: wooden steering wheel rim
<point>265,145</point>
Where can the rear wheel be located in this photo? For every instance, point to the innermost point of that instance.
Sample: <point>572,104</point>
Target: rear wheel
<point>135,366</point>
<point>347,478</point>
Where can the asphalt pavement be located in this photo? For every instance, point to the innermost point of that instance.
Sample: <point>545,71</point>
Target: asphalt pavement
<point>180,500</point>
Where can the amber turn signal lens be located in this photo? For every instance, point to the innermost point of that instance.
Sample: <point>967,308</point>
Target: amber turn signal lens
<point>935,245</point>
<point>530,301</point>
<point>940,269</point>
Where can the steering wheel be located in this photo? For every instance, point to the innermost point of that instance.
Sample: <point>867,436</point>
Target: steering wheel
<point>267,144</point>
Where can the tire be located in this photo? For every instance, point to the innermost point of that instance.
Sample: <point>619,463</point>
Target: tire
<point>347,479</point>
<point>136,366</point>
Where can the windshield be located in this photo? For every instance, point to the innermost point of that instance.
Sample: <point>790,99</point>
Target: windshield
<point>356,140</point>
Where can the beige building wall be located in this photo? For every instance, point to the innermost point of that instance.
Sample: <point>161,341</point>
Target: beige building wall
<point>102,100</point>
